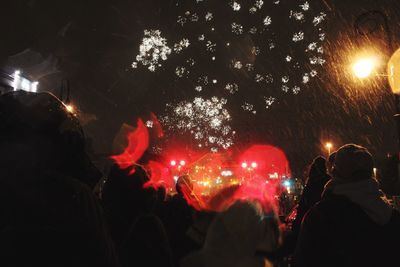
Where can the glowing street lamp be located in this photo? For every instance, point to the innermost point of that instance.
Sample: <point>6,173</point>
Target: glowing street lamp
<point>70,108</point>
<point>364,67</point>
<point>329,147</point>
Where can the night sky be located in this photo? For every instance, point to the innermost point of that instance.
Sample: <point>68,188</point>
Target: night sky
<point>92,44</point>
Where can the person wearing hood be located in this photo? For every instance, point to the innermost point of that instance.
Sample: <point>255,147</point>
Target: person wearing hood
<point>353,224</point>
<point>238,237</point>
<point>49,215</point>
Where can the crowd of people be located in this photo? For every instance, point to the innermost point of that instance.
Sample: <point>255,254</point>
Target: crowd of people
<point>57,209</point>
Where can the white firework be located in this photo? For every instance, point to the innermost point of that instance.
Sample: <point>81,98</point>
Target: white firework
<point>206,120</point>
<point>153,49</point>
<point>235,6</point>
<point>183,44</point>
<point>267,21</point>
<point>251,40</point>
<point>237,28</point>
<point>232,88</point>
<point>298,36</point>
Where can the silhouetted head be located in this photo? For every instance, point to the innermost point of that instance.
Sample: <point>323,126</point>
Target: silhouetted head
<point>353,163</point>
<point>39,134</point>
<point>124,190</point>
<point>317,169</point>
<point>331,161</point>
<point>183,182</point>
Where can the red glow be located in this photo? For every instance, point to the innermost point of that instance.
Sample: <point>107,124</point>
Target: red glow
<point>159,176</point>
<point>268,160</point>
<point>157,125</point>
<point>138,142</point>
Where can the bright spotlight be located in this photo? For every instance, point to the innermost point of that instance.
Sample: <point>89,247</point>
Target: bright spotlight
<point>254,165</point>
<point>364,67</point>
<point>244,165</point>
<point>182,163</point>
<point>173,162</point>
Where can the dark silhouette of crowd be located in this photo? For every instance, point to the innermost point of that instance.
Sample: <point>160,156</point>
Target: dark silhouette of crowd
<point>54,214</point>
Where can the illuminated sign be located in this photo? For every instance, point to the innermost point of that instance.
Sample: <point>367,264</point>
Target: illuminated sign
<point>21,83</point>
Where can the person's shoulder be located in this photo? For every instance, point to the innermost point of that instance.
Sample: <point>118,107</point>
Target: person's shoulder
<point>326,208</point>
<point>395,220</point>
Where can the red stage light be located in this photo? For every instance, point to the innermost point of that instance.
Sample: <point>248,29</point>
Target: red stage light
<point>244,165</point>
<point>254,164</point>
<point>182,163</point>
<point>173,163</point>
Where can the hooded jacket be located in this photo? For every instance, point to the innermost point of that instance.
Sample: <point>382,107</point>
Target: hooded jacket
<point>352,225</point>
<point>232,240</point>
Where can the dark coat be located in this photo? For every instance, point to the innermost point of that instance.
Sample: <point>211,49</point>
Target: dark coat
<point>337,232</point>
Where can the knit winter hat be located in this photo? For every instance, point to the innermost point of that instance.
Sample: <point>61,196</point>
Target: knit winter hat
<point>353,163</point>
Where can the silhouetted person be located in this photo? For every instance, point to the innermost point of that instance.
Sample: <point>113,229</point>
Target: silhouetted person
<point>331,162</point>
<point>238,237</point>
<point>317,178</point>
<point>179,218</point>
<point>49,217</point>
<point>352,225</point>
<point>146,244</point>
<point>390,181</point>
<point>124,200</point>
